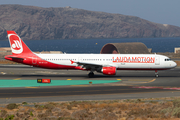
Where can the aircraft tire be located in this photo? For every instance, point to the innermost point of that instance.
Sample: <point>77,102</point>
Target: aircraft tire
<point>91,74</point>
<point>157,76</point>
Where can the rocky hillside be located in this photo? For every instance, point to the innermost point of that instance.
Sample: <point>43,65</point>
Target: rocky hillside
<point>36,23</point>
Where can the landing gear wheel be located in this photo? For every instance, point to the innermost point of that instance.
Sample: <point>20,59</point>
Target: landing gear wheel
<point>91,74</point>
<point>156,73</point>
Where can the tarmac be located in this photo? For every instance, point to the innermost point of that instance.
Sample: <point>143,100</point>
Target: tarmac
<point>19,83</point>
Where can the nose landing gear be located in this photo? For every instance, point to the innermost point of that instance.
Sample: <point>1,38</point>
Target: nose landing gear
<point>156,73</point>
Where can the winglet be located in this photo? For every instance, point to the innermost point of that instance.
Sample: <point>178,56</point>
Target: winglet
<point>11,32</point>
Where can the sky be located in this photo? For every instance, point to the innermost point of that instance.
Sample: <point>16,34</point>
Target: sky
<point>158,11</point>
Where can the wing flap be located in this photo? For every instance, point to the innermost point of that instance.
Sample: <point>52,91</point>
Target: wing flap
<point>92,66</point>
<point>88,64</point>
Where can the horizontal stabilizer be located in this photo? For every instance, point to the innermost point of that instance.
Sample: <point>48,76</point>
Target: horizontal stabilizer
<point>13,57</point>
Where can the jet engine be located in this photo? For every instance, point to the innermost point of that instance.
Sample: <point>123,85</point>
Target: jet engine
<point>108,70</point>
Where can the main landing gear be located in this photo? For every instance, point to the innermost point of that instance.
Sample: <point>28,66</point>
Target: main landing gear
<point>156,73</point>
<point>91,74</point>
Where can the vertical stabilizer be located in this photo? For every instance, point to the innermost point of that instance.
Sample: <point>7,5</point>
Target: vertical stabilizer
<point>17,45</point>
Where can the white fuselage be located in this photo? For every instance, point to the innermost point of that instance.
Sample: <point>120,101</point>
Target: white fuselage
<point>120,61</point>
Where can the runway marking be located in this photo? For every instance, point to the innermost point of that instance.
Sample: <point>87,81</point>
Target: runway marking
<point>148,87</point>
<point>149,81</point>
<point>156,87</point>
<point>171,88</point>
<point>138,79</point>
<point>81,85</point>
<point>69,79</point>
<point>152,81</point>
<point>17,79</point>
<point>31,87</point>
<point>121,85</point>
<point>3,73</point>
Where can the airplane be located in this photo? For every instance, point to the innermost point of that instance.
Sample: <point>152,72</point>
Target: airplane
<point>107,64</point>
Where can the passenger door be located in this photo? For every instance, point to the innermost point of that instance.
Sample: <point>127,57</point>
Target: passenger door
<point>157,60</point>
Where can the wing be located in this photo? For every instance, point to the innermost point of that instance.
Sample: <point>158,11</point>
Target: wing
<point>92,66</point>
<point>88,65</point>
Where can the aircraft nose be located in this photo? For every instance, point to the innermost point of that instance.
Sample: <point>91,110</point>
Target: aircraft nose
<point>174,64</point>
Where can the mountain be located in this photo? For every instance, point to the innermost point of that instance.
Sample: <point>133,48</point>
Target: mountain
<point>36,23</point>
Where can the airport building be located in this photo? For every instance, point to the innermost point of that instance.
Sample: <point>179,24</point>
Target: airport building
<point>176,50</point>
<point>125,48</point>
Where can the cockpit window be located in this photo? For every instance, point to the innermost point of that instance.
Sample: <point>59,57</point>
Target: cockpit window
<point>167,59</point>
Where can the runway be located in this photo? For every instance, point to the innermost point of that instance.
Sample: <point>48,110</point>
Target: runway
<point>133,84</point>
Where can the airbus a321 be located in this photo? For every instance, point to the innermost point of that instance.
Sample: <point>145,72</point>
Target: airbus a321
<point>107,64</point>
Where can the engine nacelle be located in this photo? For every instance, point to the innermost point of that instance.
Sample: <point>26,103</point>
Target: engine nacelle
<point>109,70</point>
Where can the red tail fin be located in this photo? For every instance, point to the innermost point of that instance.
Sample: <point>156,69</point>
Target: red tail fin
<point>17,45</point>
